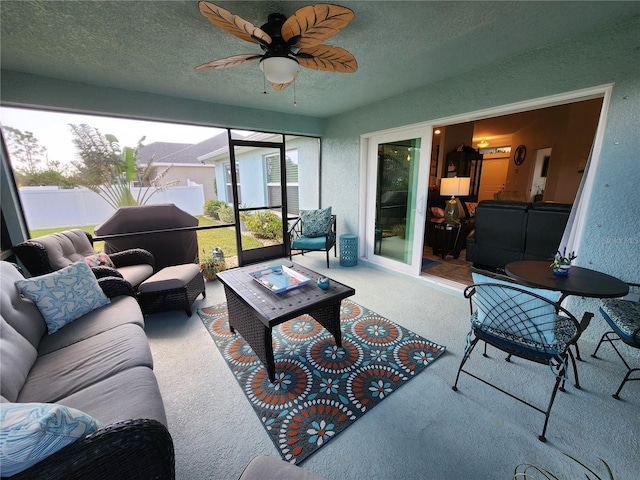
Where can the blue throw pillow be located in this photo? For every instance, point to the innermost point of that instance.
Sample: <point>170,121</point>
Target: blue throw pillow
<point>315,222</point>
<point>64,295</point>
<point>536,312</point>
<point>33,431</point>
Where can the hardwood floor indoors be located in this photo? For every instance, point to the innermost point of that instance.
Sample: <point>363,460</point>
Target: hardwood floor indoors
<point>454,269</point>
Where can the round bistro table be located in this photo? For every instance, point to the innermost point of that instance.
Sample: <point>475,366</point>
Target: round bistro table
<point>582,282</point>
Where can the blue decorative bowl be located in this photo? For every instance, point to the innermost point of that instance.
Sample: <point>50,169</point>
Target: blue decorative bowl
<point>323,282</point>
<point>563,271</point>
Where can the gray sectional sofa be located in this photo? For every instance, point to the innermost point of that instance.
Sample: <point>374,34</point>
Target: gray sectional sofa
<point>99,364</point>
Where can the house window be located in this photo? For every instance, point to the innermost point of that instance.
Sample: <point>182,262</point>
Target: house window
<point>272,163</point>
<point>227,169</point>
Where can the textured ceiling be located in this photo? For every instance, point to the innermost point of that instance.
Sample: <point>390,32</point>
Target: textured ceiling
<point>154,46</point>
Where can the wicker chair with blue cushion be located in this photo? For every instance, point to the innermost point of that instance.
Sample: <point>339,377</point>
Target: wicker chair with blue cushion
<point>623,316</point>
<point>522,322</point>
<point>314,230</point>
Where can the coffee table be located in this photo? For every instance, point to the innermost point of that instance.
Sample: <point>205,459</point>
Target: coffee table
<point>254,310</point>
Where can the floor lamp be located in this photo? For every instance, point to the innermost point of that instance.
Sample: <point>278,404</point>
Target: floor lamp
<point>454,186</point>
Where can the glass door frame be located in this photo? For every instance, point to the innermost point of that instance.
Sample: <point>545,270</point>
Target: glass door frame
<point>417,202</point>
<point>254,255</point>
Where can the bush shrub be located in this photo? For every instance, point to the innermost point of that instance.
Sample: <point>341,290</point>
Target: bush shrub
<point>265,224</point>
<point>212,207</point>
<point>225,214</point>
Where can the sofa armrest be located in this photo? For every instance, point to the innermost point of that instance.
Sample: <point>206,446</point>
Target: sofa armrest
<point>103,271</point>
<point>140,449</point>
<point>470,254</point>
<point>33,256</point>
<point>116,286</point>
<point>132,256</point>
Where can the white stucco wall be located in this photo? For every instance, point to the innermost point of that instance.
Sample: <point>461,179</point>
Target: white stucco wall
<point>611,241</point>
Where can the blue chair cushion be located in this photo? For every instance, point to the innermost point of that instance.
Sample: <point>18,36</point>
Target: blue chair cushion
<point>315,222</point>
<point>305,243</point>
<point>623,316</point>
<point>535,321</point>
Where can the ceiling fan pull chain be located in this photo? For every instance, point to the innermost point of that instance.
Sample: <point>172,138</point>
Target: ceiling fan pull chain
<point>264,84</point>
<point>295,104</point>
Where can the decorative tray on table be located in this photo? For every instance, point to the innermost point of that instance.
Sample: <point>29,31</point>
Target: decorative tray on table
<point>279,278</point>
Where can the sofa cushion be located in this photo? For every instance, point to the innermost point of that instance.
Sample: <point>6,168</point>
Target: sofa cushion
<point>64,295</point>
<point>269,468</point>
<point>17,356</point>
<point>21,313</point>
<point>103,400</point>
<point>121,311</point>
<point>33,431</point>
<point>65,248</point>
<point>68,370</point>
<point>315,222</point>
<point>538,313</point>
<point>136,274</point>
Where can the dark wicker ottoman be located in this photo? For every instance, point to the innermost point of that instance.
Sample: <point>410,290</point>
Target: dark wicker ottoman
<point>172,288</point>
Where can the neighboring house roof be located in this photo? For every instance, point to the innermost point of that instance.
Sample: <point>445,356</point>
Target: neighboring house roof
<point>181,153</point>
<point>157,150</point>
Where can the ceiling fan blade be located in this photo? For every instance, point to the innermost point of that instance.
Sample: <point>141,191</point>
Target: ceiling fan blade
<point>234,24</point>
<point>315,23</point>
<point>232,61</point>
<point>282,86</point>
<point>328,58</point>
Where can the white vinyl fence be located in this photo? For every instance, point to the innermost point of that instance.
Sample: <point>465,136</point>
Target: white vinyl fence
<point>51,207</point>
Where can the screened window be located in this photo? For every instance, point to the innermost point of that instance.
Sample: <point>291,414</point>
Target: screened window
<point>227,169</point>
<point>273,180</point>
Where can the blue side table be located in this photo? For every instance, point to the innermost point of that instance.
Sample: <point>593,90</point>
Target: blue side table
<point>348,250</point>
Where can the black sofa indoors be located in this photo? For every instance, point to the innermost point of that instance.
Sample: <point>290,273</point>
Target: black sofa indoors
<point>507,231</point>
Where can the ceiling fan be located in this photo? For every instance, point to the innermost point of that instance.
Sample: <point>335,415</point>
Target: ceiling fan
<point>286,42</point>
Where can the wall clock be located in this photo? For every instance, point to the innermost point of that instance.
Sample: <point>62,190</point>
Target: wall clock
<point>519,156</point>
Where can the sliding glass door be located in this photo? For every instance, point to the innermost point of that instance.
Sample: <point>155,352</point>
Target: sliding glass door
<point>397,177</point>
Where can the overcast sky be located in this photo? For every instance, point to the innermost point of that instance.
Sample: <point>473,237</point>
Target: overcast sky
<point>53,132</point>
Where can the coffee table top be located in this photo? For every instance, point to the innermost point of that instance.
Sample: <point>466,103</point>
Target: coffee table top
<point>581,281</point>
<point>274,308</point>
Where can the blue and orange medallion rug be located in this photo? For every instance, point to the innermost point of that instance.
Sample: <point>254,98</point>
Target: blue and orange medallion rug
<point>321,389</point>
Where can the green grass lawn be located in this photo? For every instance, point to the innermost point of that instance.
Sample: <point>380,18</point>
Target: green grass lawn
<point>207,239</point>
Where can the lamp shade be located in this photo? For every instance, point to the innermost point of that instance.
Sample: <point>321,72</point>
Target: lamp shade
<point>455,186</point>
<point>279,69</point>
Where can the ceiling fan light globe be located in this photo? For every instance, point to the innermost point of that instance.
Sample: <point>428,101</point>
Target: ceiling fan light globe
<point>279,69</point>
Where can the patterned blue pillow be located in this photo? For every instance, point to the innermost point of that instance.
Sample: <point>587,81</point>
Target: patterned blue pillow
<point>33,431</point>
<point>64,295</point>
<point>315,222</point>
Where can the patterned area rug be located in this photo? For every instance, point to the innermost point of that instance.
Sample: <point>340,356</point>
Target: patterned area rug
<point>321,389</point>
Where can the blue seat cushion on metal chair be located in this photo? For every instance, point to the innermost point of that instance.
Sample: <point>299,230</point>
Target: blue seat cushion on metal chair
<point>623,316</point>
<point>564,332</point>
<point>306,243</point>
<point>523,315</point>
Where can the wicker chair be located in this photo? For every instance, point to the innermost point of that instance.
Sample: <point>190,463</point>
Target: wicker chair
<point>301,239</point>
<point>623,316</point>
<point>524,323</point>
<point>52,252</point>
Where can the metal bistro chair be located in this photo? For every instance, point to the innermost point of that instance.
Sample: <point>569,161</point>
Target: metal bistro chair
<point>524,323</point>
<point>623,316</point>
<point>314,230</point>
